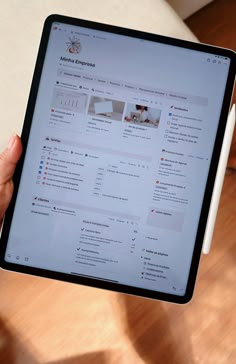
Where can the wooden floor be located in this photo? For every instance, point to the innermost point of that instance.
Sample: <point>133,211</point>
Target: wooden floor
<point>43,321</point>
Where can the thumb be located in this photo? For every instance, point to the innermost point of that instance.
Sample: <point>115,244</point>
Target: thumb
<point>9,158</point>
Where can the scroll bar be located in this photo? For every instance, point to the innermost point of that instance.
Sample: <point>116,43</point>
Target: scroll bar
<point>219,181</point>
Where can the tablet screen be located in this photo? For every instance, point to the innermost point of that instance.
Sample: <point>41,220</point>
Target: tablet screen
<point>117,160</point>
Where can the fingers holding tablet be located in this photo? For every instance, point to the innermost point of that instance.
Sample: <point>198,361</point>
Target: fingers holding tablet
<point>8,160</point>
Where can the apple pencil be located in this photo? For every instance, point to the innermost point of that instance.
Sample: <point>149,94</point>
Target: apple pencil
<point>219,181</point>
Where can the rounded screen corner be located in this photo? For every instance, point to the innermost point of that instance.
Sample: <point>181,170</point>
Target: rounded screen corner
<point>51,18</point>
<point>186,299</point>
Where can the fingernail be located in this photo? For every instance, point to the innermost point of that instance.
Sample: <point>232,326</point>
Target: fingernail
<point>11,141</point>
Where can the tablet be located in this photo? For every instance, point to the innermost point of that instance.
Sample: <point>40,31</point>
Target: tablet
<point>122,138</point>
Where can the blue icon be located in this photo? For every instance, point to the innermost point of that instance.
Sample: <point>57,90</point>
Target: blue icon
<point>40,167</point>
<point>41,162</point>
<point>170,114</point>
<point>39,172</point>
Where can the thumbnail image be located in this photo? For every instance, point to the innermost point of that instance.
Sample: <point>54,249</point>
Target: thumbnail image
<point>142,115</point>
<point>111,109</point>
<point>69,100</point>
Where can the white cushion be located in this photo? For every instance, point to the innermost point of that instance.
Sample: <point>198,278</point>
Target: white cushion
<point>21,25</point>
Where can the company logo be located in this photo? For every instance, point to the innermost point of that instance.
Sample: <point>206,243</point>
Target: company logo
<point>73,45</point>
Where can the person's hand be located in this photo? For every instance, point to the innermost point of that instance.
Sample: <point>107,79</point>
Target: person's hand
<point>8,161</point>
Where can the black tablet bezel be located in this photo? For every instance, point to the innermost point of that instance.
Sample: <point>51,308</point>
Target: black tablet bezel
<point>84,280</point>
